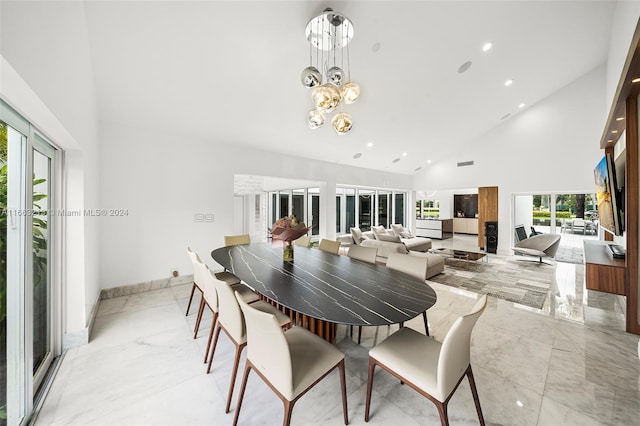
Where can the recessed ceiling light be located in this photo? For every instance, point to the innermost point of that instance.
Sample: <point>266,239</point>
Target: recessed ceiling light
<point>464,67</point>
<point>404,154</point>
<point>487,46</point>
<point>521,106</point>
<point>610,141</point>
<point>519,404</point>
<point>636,80</point>
<point>619,118</point>
<point>356,156</point>
<point>369,145</point>
<point>614,131</point>
<point>396,160</point>
<point>508,82</point>
<point>428,161</point>
<point>375,47</point>
<point>507,115</point>
<point>417,169</point>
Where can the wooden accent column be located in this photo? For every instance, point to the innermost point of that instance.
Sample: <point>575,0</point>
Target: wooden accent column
<point>632,215</point>
<point>487,209</point>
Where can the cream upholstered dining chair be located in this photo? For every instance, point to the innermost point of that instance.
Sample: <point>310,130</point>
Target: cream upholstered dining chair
<point>196,285</point>
<point>412,265</point>
<point>232,240</point>
<point>433,369</point>
<point>290,363</point>
<point>366,254</point>
<point>304,241</point>
<point>210,297</point>
<point>329,246</point>
<point>231,320</point>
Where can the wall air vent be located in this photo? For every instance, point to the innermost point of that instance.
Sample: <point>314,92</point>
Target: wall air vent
<point>465,163</point>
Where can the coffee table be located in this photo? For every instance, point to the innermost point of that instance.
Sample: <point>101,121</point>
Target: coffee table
<point>469,257</point>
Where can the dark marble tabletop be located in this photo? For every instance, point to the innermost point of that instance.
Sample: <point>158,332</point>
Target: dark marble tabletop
<point>327,286</point>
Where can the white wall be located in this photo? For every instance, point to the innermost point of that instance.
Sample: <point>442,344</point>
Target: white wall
<point>163,180</point>
<point>49,80</point>
<point>550,146</point>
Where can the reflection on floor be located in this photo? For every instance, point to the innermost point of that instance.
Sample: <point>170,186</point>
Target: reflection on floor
<point>567,364</point>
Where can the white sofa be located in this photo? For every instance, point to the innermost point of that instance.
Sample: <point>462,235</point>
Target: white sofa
<point>395,240</point>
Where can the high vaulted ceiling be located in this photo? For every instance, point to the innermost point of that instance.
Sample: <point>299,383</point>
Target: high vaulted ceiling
<point>229,71</point>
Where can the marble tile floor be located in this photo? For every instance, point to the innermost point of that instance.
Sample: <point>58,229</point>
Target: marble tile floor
<point>143,367</point>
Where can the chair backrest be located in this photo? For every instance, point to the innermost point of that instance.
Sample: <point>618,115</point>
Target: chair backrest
<point>304,241</point>
<point>195,259</point>
<point>366,254</point>
<point>204,279</point>
<point>578,222</point>
<point>235,240</point>
<point>412,265</point>
<point>455,354</point>
<point>230,315</point>
<point>330,246</point>
<point>267,348</point>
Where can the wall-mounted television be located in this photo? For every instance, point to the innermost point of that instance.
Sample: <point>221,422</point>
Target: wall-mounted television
<point>609,201</point>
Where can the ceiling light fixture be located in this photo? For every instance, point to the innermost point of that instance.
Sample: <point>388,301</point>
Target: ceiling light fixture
<point>636,80</point>
<point>331,85</point>
<point>404,154</point>
<point>619,118</point>
<point>464,67</point>
<point>508,82</point>
<point>521,106</point>
<point>370,144</point>
<point>487,46</point>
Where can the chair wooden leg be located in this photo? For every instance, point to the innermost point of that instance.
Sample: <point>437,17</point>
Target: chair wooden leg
<point>442,410</point>
<point>234,374</point>
<point>288,408</point>
<point>359,333</point>
<point>343,387</point>
<point>213,348</point>
<point>426,324</point>
<point>474,391</point>
<point>245,377</point>
<point>193,289</point>
<point>199,318</point>
<point>213,325</point>
<point>372,366</point>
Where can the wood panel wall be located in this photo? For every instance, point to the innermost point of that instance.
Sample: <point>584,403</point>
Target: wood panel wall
<point>632,215</point>
<point>487,209</point>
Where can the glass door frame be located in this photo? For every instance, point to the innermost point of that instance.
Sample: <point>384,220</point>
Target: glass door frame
<point>24,388</point>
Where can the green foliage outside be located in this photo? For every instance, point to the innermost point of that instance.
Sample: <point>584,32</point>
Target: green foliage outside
<point>547,215</point>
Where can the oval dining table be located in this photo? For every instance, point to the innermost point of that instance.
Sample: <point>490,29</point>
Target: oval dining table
<point>320,290</point>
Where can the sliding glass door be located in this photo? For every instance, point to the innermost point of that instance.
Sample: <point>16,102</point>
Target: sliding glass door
<point>29,310</point>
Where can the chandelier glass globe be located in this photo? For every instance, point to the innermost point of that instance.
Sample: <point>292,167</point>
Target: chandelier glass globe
<point>350,92</point>
<point>342,123</point>
<point>315,119</point>
<point>311,77</point>
<point>326,97</point>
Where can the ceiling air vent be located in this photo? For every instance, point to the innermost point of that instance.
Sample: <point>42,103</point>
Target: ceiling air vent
<point>465,163</point>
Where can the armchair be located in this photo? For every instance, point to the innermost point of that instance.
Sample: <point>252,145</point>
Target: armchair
<point>542,245</point>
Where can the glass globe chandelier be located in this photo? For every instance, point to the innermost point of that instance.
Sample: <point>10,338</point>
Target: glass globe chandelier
<point>331,87</point>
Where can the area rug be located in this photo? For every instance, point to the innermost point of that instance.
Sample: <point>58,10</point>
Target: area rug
<point>523,282</point>
<point>569,254</point>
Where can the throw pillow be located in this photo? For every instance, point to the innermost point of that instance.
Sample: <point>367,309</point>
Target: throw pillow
<point>356,234</point>
<point>406,234</point>
<point>378,230</point>
<point>389,238</point>
<point>397,229</point>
